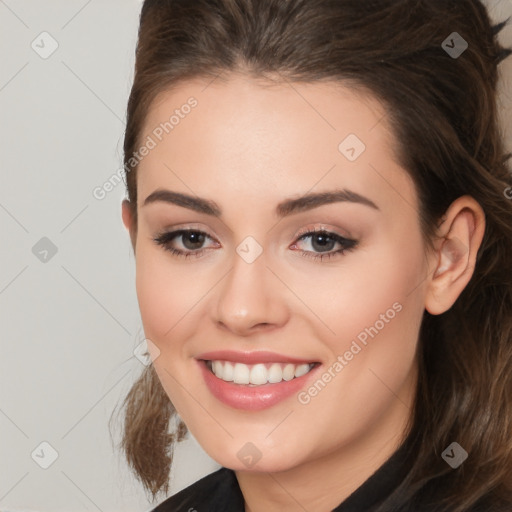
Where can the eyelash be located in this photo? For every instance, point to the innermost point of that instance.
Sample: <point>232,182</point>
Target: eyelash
<point>164,240</point>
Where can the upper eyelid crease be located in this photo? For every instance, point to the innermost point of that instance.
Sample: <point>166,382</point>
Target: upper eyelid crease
<point>283,209</point>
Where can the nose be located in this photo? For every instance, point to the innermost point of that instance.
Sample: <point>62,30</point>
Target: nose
<point>250,299</point>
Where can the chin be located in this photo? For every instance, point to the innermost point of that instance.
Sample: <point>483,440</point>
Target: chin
<point>249,458</point>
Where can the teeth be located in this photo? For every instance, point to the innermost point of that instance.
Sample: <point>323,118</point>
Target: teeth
<point>241,374</point>
<point>301,370</point>
<point>275,373</point>
<point>289,372</point>
<point>257,374</point>
<point>228,371</point>
<point>217,367</point>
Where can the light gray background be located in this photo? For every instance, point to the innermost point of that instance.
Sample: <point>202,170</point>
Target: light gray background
<point>70,324</point>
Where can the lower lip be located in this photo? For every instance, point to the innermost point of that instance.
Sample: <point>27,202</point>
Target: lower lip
<point>252,398</point>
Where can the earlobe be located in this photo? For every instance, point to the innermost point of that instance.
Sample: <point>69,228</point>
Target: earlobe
<point>461,235</point>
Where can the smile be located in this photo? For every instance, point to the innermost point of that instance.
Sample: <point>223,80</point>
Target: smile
<point>253,381</point>
<point>257,374</point>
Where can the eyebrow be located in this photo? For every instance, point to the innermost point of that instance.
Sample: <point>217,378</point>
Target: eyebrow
<point>283,209</point>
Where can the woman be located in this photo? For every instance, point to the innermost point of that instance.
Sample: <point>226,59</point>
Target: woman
<point>319,205</point>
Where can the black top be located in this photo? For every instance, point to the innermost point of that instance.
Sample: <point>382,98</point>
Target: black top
<point>220,492</point>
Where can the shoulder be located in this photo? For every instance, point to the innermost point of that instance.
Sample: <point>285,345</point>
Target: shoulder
<point>218,491</point>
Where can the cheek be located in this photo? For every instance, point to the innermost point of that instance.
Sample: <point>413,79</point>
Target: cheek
<point>370,282</point>
<point>375,308</point>
<point>165,296</point>
<point>166,302</point>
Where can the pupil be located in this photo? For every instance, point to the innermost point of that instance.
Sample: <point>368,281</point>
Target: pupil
<point>194,238</point>
<point>321,240</point>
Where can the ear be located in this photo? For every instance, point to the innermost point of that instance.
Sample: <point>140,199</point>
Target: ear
<point>459,237</point>
<point>128,220</point>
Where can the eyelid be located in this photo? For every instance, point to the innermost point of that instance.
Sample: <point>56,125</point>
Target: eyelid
<point>312,228</point>
<point>347,243</point>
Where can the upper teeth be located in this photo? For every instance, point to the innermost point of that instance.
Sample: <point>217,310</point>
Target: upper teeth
<point>257,374</point>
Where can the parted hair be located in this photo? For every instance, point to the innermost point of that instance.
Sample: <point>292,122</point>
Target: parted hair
<point>443,111</point>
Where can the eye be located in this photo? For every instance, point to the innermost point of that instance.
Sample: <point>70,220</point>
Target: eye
<point>192,240</point>
<point>323,241</point>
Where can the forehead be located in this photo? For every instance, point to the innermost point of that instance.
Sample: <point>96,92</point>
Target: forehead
<point>264,139</point>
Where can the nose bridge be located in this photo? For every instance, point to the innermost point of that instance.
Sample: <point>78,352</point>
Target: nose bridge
<point>249,296</point>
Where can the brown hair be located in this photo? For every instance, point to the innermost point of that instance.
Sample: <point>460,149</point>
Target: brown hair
<point>444,115</point>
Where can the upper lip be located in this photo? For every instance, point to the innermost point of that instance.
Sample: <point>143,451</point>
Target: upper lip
<point>254,357</point>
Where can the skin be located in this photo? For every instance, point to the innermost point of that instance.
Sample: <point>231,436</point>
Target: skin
<point>248,147</point>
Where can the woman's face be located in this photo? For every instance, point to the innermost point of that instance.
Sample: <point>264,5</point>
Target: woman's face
<point>247,165</point>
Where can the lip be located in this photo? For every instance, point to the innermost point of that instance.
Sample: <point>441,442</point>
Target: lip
<point>253,357</point>
<point>253,398</point>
